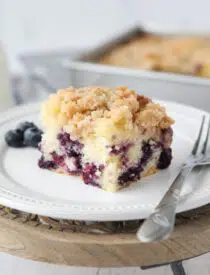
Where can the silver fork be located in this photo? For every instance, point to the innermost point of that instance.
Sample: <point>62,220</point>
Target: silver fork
<point>161,222</point>
<point>202,160</point>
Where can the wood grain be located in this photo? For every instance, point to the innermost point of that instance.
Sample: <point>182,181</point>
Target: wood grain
<point>34,241</point>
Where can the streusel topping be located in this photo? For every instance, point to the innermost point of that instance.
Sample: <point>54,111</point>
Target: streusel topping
<point>81,111</point>
<point>178,54</point>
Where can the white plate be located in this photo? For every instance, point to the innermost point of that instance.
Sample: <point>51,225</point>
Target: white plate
<point>24,186</point>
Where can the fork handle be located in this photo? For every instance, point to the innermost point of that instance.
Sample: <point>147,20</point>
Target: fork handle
<point>161,222</point>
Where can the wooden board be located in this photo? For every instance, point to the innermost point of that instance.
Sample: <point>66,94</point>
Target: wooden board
<point>29,239</point>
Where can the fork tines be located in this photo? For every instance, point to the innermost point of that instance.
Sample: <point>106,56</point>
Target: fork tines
<point>198,140</point>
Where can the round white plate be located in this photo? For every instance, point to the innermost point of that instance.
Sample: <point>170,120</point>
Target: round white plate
<point>24,186</point>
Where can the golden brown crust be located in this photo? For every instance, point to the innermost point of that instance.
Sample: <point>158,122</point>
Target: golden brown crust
<point>170,54</point>
<point>80,110</point>
<point>149,172</point>
<point>62,171</point>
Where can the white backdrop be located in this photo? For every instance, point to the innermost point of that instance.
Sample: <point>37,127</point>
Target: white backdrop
<point>38,25</point>
<point>45,24</point>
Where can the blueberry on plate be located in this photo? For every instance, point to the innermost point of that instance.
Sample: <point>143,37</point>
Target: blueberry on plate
<point>14,138</point>
<point>25,125</point>
<point>32,137</point>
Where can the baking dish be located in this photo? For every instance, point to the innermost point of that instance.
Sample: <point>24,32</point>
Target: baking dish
<point>59,70</point>
<point>189,90</point>
<point>177,53</point>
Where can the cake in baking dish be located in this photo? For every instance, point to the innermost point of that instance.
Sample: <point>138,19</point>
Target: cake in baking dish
<point>111,137</point>
<point>177,54</point>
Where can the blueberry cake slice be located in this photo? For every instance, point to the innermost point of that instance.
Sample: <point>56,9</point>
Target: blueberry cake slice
<point>111,137</point>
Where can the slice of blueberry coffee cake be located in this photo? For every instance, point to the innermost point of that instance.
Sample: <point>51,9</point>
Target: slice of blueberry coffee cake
<point>111,137</point>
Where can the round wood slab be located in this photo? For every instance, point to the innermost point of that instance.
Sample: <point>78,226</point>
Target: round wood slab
<point>24,236</point>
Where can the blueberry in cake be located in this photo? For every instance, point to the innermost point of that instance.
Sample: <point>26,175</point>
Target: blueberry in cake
<point>111,137</point>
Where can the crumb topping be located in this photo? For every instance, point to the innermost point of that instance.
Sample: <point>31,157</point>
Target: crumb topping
<point>179,54</point>
<point>82,112</point>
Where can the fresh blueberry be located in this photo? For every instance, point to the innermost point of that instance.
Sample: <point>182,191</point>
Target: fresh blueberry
<point>14,138</point>
<point>25,125</point>
<point>32,137</point>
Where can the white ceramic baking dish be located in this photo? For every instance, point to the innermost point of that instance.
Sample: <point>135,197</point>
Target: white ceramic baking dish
<point>84,71</point>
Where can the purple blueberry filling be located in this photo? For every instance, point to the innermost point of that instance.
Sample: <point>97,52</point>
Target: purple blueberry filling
<point>147,153</point>
<point>72,148</point>
<point>90,172</point>
<point>58,160</point>
<point>120,149</point>
<point>46,164</point>
<point>165,159</point>
<point>132,174</point>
